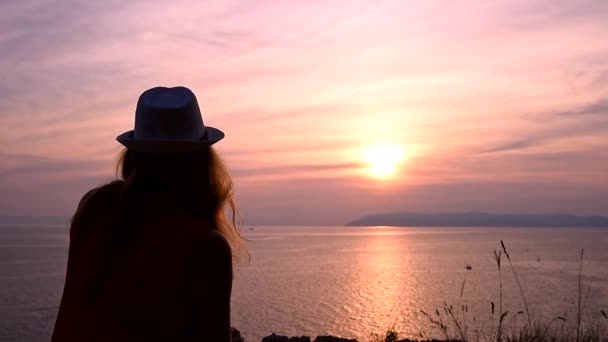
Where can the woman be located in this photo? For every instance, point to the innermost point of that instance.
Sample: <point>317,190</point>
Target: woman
<point>150,256</point>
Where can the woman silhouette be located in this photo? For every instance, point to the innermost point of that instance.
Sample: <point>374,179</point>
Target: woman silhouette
<point>150,255</point>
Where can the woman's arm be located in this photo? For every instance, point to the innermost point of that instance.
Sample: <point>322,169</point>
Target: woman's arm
<point>213,287</point>
<point>66,325</point>
<point>91,208</point>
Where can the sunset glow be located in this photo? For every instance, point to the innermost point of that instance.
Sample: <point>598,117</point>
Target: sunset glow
<point>481,105</point>
<point>383,160</point>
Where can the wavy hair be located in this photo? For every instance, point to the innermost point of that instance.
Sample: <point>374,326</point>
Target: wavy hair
<point>199,180</point>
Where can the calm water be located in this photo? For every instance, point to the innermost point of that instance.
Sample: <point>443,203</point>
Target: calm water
<point>342,281</point>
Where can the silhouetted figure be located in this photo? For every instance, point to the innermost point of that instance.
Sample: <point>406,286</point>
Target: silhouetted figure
<point>150,256</point>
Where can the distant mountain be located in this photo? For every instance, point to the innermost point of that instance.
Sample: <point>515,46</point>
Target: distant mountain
<point>474,219</point>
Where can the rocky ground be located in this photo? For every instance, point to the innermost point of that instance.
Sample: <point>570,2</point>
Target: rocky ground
<point>236,337</point>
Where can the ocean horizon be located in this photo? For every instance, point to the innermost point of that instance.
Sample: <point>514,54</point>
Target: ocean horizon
<point>343,281</point>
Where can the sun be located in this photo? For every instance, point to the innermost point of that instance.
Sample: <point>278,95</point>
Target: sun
<point>383,160</point>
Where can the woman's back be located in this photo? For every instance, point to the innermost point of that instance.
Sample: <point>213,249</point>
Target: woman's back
<point>141,268</point>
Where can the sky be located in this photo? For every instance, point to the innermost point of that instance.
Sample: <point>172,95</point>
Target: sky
<point>496,106</point>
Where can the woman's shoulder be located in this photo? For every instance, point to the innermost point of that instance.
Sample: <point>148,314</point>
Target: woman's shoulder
<point>213,242</point>
<point>214,261</point>
<point>98,203</point>
<point>106,193</point>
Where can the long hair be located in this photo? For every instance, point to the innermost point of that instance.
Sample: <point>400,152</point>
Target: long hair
<point>199,181</point>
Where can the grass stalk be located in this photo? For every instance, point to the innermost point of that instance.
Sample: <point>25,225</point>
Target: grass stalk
<point>521,289</point>
<point>579,311</point>
<point>497,258</point>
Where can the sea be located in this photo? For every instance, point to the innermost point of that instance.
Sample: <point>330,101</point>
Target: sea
<point>352,281</point>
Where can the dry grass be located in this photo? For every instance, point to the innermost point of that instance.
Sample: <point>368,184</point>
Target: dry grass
<point>455,323</point>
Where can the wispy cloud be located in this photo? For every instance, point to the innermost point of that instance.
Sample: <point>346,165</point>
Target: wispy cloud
<point>288,171</point>
<point>599,107</point>
<point>28,166</point>
<point>516,144</point>
<point>553,127</point>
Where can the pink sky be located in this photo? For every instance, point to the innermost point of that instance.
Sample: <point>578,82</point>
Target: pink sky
<point>500,106</point>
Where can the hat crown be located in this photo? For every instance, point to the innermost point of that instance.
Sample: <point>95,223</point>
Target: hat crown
<point>171,114</point>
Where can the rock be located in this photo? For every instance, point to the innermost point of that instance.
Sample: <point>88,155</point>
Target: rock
<point>280,338</point>
<point>332,339</point>
<point>433,340</point>
<point>275,338</point>
<point>300,339</point>
<point>236,335</point>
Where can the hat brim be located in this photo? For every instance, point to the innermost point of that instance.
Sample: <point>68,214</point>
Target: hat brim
<point>212,136</point>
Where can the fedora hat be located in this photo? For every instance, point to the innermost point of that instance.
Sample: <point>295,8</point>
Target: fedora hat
<point>169,120</point>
